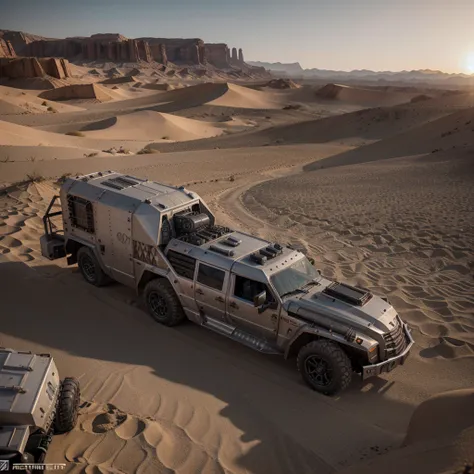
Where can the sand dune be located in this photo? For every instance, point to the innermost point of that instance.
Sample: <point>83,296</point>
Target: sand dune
<point>365,97</point>
<point>19,143</point>
<point>79,91</point>
<point>149,125</point>
<point>440,439</point>
<point>453,132</point>
<point>243,97</point>
<point>394,216</point>
<point>119,80</point>
<point>354,129</point>
<point>15,101</point>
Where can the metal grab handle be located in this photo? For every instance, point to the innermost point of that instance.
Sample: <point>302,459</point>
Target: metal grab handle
<point>15,388</point>
<point>220,299</point>
<point>199,292</point>
<point>234,305</point>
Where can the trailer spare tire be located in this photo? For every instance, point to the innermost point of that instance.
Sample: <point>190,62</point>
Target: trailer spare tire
<point>68,405</point>
<point>162,302</point>
<point>90,267</point>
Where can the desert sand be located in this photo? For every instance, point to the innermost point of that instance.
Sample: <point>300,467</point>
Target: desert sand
<point>377,187</point>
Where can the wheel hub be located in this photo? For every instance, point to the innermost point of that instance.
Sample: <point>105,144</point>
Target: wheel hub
<point>158,304</point>
<point>318,370</point>
<point>88,268</point>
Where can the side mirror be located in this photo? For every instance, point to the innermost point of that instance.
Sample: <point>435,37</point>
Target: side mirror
<point>311,260</point>
<point>260,299</point>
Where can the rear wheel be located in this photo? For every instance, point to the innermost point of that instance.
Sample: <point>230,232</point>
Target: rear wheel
<point>162,302</point>
<point>325,367</point>
<point>90,267</point>
<point>68,405</point>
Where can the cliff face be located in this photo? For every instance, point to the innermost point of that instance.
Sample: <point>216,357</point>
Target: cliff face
<point>219,55</point>
<point>18,39</point>
<point>189,51</point>
<point>6,49</point>
<point>115,47</point>
<point>19,68</point>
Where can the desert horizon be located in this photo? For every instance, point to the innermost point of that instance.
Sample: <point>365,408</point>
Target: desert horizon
<point>368,172</point>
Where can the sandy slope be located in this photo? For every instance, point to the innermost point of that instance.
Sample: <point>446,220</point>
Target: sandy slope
<point>361,96</point>
<point>402,227</point>
<point>355,128</point>
<point>150,125</point>
<point>16,101</point>
<point>19,143</point>
<point>185,400</point>
<point>440,439</point>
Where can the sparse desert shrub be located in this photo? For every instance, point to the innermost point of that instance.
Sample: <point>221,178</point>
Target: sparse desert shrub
<point>232,178</point>
<point>62,178</point>
<point>165,137</point>
<point>292,107</point>
<point>121,150</point>
<point>44,103</point>
<point>75,134</point>
<point>32,159</point>
<point>145,151</point>
<point>34,178</point>
<point>52,109</point>
<point>90,155</point>
<point>6,159</point>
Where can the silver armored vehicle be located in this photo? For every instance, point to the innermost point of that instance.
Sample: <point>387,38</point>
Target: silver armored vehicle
<point>164,241</point>
<point>34,404</point>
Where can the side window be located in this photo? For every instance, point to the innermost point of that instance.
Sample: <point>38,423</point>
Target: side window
<point>210,276</point>
<point>247,289</point>
<point>182,264</point>
<point>81,213</point>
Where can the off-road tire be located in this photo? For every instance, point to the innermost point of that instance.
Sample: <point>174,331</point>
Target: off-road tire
<point>90,267</point>
<point>334,357</point>
<point>162,303</point>
<point>68,405</point>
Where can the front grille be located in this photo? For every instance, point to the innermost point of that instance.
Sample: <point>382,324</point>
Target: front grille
<point>395,340</point>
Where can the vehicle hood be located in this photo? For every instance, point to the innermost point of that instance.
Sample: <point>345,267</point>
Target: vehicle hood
<point>315,306</point>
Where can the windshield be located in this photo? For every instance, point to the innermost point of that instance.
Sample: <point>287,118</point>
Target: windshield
<point>294,277</point>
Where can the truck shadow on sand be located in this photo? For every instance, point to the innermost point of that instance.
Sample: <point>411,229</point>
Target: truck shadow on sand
<point>260,417</point>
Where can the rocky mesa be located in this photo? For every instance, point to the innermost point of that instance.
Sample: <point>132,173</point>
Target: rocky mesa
<point>115,47</point>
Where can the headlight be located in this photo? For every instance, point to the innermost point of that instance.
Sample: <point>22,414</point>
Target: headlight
<point>373,353</point>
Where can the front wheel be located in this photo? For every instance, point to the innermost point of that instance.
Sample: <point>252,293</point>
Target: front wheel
<point>162,302</point>
<point>325,367</point>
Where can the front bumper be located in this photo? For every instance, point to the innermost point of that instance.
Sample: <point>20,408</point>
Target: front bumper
<point>389,364</point>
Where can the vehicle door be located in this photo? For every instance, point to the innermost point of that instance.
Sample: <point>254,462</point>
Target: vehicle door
<point>241,311</point>
<point>113,233</point>
<point>209,291</point>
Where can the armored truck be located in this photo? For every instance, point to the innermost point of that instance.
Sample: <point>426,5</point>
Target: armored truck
<point>34,405</point>
<point>164,241</point>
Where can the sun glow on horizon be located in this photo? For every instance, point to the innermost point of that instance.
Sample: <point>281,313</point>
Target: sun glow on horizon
<point>469,62</point>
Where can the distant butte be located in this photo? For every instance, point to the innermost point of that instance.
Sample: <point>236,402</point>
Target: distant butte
<point>115,47</point>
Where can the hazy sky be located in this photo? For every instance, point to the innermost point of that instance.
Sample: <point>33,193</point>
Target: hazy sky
<point>327,34</point>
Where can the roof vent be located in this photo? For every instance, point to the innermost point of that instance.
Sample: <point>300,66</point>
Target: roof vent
<point>347,293</point>
<point>231,241</point>
<point>226,252</point>
<point>260,259</point>
<point>121,182</point>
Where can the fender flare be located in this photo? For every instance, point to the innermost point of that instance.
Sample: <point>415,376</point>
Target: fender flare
<point>312,331</point>
<point>84,243</point>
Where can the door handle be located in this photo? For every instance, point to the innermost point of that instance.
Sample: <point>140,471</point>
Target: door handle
<point>233,304</point>
<point>199,292</point>
<point>220,299</point>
